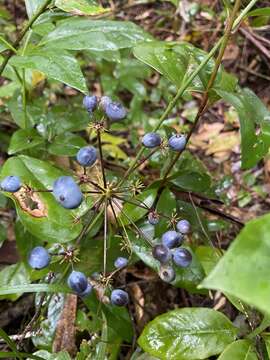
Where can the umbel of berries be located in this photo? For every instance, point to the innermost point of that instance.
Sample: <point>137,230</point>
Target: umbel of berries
<point>67,192</point>
<point>161,253</point>
<point>10,184</point>
<point>182,257</point>
<point>39,258</point>
<point>172,239</point>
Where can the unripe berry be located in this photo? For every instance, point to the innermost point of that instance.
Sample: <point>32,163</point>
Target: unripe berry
<point>87,156</point>
<point>119,297</point>
<point>167,273</point>
<point>151,140</point>
<point>172,239</point>
<point>39,258</point>
<point>161,253</point>
<point>177,142</point>
<point>182,257</point>
<point>153,218</point>
<point>11,184</point>
<point>183,226</point>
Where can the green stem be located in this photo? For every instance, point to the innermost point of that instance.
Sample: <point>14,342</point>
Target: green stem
<point>22,34</point>
<point>4,41</point>
<point>105,238</point>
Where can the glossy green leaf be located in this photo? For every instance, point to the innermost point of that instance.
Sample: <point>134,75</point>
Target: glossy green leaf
<point>80,7</point>
<point>46,355</point>
<point>177,61</point>
<point>32,6</point>
<point>55,224</point>
<point>240,350</point>
<point>265,11</point>
<point>32,288</point>
<point>10,276</point>
<point>57,65</point>
<point>245,263</point>
<point>187,334</point>
<point>67,144</point>
<point>24,139</point>
<point>166,206</point>
<point>97,35</point>
<point>252,112</point>
<point>266,338</point>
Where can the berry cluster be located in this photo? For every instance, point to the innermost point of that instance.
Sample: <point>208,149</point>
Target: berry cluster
<point>170,251</point>
<point>69,194</point>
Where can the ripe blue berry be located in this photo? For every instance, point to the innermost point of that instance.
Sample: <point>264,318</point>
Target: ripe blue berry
<point>11,184</point>
<point>161,253</point>
<point>67,192</point>
<point>167,273</point>
<point>104,101</point>
<point>172,239</point>
<point>120,262</point>
<point>115,111</point>
<point>90,103</point>
<point>87,156</point>
<point>153,218</point>
<point>39,258</point>
<point>119,297</point>
<point>183,226</point>
<point>77,281</point>
<point>177,142</point>
<point>151,140</point>
<point>182,257</point>
<point>87,291</point>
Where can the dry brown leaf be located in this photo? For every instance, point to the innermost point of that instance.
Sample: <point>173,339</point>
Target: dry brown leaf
<point>224,142</point>
<point>65,330</point>
<point>31,203</point>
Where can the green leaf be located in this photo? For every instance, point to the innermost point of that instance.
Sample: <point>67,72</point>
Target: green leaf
<point>10,343</point>
<point>80,7</point>
<point>32,288</point>
<point>245,263</point>
<point>251,112</point>
<point>45,355</point>
<point>24,139</point>
<point>3,234</point>
<point>96,35</point>
<point>187,334</point>
<point>266,339</point>
<point>260,12</point>
<point>177,61</point>
<point>66,144</point>
<point>13,275</point>
<point>32,6</point>
<point>240,350</point>
<point>54,223</point>
<point>57,65</point>
<point>167,207</point>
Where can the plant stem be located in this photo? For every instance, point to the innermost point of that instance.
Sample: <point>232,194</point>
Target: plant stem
<point>22,34</point>
<point>105,238</point>
<point>101,159</point>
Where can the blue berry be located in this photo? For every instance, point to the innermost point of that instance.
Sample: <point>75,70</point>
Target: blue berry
<point>119,297</point>
<point>77,281</point>
<point>167,273</point>
<point>120,262</point>
<point>161,253</point>
<point>11,184</point>
<point>151,140</point>
<point>104,101</point>
<point>153,218</point>
<point>177,142</point>
<point>39,258</point>
<point>90,103</point>
<point>182,257</point>
<point>172,239</point>
<point>67,192</point>
<point>87,291</point>
<point>115,111</point>
<point>87,156</point>
<point>183,226</point>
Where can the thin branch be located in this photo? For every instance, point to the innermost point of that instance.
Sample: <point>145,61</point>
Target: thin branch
<point>101,159</point>
<point>105,238</point>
